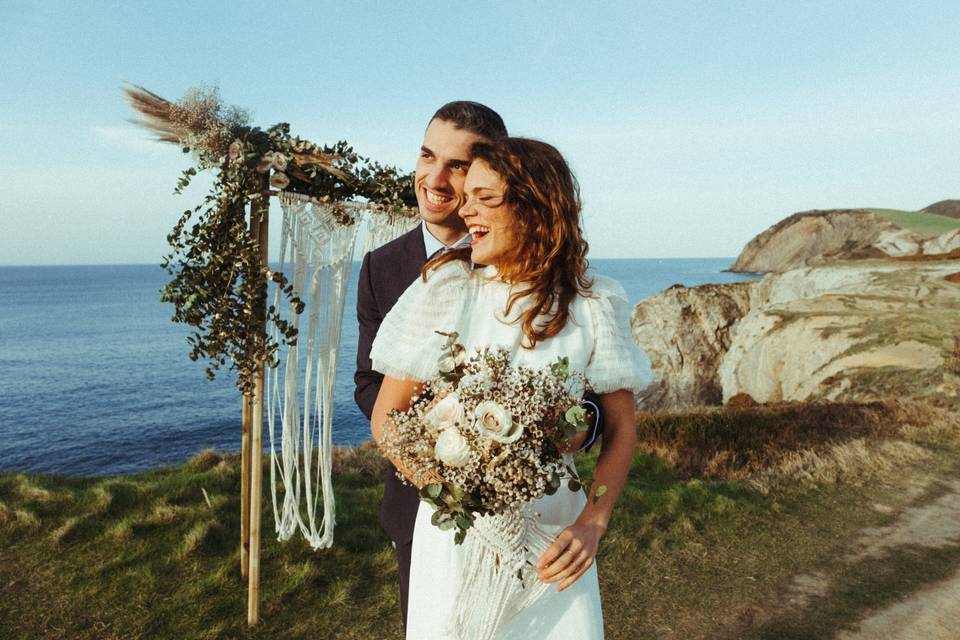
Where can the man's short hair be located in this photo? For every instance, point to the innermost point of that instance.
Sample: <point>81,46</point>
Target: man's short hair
<point>474,117</point>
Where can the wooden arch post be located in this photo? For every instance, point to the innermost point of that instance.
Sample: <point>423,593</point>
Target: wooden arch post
<point>251,467</point>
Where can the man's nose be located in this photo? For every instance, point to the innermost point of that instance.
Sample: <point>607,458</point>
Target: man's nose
<point>438,177</point>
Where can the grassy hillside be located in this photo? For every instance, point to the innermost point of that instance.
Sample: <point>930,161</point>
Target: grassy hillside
<point>723,509</point>
<point>921,222</point>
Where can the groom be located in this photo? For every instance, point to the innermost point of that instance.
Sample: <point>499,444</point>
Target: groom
<point>388,271</point>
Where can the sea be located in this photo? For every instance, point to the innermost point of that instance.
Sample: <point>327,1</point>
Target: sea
<point>95,378</point>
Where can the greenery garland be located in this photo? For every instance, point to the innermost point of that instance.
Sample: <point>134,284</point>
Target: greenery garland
<point>218,284</point>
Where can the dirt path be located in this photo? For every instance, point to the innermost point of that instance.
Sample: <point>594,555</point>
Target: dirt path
<point>932,613</point>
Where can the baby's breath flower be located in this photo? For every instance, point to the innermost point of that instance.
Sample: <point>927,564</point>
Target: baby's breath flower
<point>501,459</point>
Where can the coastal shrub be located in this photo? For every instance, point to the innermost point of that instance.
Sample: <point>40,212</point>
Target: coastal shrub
<point>734,442</point>
<point>120,531</point>
<point>30,492</point>
<point>65,532</point>
<point>120,497</point>
<point>162,514</point>
<point>852,462</point>
<point>12,518</point>
<point>205,460</point>
<point>26,519</point>
<point>365,460</point>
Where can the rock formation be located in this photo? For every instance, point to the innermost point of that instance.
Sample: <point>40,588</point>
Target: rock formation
<point>853,330</point>
<point>813,238</point>
<point>685,332</point>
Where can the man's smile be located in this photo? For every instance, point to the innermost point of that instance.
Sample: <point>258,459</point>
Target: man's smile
<point>437,200</point>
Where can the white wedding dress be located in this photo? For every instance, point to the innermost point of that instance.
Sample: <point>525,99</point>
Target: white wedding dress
<point>597,341</point>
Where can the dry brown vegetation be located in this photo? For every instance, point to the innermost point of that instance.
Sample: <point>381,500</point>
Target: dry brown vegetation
<point>741,441</point>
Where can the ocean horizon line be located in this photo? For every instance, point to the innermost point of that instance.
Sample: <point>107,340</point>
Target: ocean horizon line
<point>157,264</point>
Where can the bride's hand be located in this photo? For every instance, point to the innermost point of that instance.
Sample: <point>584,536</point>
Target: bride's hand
<point>570,555</point>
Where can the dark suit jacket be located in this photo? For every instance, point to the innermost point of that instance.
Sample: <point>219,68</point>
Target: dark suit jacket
<point>384,275</point>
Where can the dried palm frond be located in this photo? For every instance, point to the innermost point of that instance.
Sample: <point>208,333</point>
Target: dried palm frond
<point>307,154</point>
<point>156,112</point>
<point>198,121</point>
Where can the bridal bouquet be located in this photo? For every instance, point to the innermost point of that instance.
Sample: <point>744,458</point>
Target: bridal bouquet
<point>483,437</point>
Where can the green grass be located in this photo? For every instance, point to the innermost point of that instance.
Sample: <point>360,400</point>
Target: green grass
<point>921,222</point>
<point>693,551</point>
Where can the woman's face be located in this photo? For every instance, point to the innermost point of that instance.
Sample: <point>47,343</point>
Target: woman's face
<point>488,217</point>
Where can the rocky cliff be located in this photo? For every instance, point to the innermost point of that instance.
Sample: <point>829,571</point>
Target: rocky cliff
<point>853,330</point>
<point>685,332</point>
<point>812,238</point>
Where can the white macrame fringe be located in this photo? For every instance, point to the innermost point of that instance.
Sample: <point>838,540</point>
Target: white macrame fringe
<point>499,576</point>
<point>320,252</point>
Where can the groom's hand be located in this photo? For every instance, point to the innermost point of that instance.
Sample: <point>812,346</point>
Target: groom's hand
<point>570,555</point>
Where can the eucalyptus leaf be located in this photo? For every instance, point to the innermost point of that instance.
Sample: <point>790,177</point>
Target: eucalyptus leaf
<point>602,489</point>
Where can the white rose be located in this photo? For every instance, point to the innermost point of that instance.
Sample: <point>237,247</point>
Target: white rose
<point>446,413</point>
<point>452,448</point>
<point>496,423</point>
<point>234,151</point>
<point>279,161</point>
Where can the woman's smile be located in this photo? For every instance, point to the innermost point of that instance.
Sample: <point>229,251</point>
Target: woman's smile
<point>489,219</point>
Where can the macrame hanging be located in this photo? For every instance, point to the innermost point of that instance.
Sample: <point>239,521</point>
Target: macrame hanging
<point>316,253</point>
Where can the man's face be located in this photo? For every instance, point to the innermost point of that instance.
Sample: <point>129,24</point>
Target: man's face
<point>441,170</point>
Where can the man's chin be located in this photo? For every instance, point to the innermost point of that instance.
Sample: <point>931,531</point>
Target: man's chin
<point>438,217</point>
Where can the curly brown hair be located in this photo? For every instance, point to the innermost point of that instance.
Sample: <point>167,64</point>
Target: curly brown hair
<point>550,256</point>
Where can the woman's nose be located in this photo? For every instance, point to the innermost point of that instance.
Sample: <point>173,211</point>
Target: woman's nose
<point>466,209</point>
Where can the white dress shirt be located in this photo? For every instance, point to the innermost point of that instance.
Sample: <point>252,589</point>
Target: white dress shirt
<point>432,245</point>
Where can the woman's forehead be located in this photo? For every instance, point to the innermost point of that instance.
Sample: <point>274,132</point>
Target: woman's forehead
<point>481,176</point>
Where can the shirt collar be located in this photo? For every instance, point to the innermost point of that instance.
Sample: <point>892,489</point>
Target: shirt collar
<point>432,245</point>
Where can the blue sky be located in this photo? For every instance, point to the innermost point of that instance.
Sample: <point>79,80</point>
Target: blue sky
<point>691,126</point>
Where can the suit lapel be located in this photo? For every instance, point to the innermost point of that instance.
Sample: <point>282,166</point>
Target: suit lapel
<point>415,254</point>
<point>415,246</point>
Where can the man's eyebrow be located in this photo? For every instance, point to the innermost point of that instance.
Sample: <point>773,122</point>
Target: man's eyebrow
<point>424,149</point>
<point>458,161</point>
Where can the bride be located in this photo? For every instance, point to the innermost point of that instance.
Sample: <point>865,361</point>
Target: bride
<point>535,298</point>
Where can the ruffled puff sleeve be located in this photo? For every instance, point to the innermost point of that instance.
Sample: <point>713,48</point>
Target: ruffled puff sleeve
<point>407,346</point>
<point>617,362</point>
